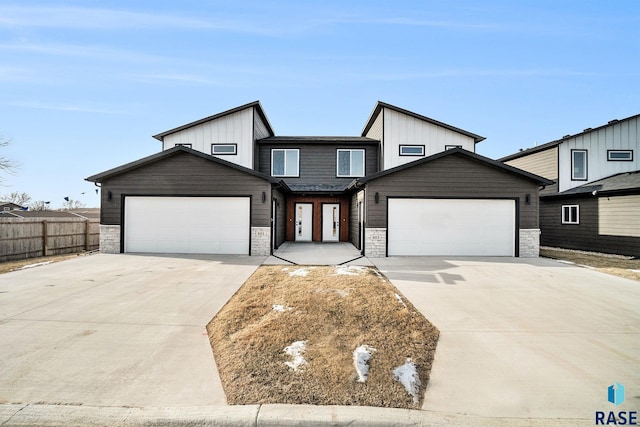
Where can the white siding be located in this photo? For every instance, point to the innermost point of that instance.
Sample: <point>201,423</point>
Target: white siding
<point>403,129</point>
<point>259,127</point>
<point>619,216</point>
<point>236,128</point>
<point>622,136</point>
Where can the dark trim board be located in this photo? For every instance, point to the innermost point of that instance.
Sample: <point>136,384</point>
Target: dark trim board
<point>516,249</point>
<point>123,207</point>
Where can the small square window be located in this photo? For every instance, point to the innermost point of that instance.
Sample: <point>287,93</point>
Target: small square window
<point>620,155</point>
<point>350,163</point>
<point>412,150</point>
<point>571,214</point>
<point>224,149</point>
<point>285,162</point>
<point>579,165</point>
<point>183,145</point>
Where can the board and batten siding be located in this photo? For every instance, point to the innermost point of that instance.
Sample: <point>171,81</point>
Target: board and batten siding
<point>318,162</point>
<point>184,174</point>
<point>585,235</point>
<point>400,129</point>
<point>624,135</point>
<point>543,163</point>
<point>619,216</point>
<point>236,128</point>
<point>452,177</point>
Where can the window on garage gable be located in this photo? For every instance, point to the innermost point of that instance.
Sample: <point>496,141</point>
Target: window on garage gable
<point>571,214</point>
<point>285,162</point>
<point>350,163</point>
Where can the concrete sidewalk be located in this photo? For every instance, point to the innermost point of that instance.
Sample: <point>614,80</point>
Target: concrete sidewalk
<point>524,338</point>
<point>316,253</point>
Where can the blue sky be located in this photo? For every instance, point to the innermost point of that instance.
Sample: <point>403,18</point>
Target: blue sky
<point>84,84</point>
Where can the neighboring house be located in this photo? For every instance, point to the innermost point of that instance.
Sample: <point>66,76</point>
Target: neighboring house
<point>408,185</point>
<point>46,214</point>
<point>595,203</point>
<point>10,206</point>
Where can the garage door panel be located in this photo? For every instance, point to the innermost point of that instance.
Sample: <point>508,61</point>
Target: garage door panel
<point>435,227</point>
<point>209,225</point>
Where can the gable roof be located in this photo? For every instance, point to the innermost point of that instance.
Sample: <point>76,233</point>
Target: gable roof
<point>621,183</point>
<point>254,104</point>
<point>464,153</point>
<point>380,105</point>
<point>557,142</point>
<point>169,153</point>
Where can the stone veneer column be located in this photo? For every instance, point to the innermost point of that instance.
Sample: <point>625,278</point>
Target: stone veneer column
<point>260,241</point>
<point>530,243</point>
<point>375,242</point>
<point>109,239</point>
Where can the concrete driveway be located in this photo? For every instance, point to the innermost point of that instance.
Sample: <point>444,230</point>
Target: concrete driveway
<point>524,338</point>
<point>115,330</point>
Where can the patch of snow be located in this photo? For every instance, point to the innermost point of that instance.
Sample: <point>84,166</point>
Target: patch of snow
<point>349,270</point>
<point>280,308</point>
<point>399,298</point>
<point>285,268</point>
<point>38,264</point>
<point>302,272</point>
<point>295,350</point>
<point>361,356</point>
<point>635,271</point>
<point>408,376</point>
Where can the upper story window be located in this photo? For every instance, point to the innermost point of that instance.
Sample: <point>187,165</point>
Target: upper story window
<point>571,214</point>
<point>620,155</point>
<point>412,150</point>
<point>350,163</point>
<point>449,147</point>
<point>183,145</point>
<point>285,162</point>
<point>224,149</point>
<point>579,165</point>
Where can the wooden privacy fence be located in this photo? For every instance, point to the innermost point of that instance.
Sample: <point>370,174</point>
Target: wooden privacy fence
<point>28,238</point>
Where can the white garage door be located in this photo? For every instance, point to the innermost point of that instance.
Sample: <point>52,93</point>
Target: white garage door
<point>196,225</point>
<point>451,227</point>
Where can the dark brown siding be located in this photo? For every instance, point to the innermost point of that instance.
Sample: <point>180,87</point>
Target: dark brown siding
<point>452,177</point>
<point>583,236</point>
<point>281,217</point>
<point>354,222</point>
<point>318,162</point>
<point>317,202</point>
<point>185,175</point>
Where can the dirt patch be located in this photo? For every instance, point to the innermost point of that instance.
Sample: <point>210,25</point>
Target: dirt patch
<point>321,315</point>
<point>617,265</point>
<point>8,266</point>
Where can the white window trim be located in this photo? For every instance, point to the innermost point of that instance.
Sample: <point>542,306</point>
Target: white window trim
<point>630,152</point>
<point>183,144</point>
<point>412,146</point>
<point>566,220</point>
<point>350,150</point>
<point>451,147</point>
<point>273,150</point>
<point>235,149</point>
<point>586,165</point>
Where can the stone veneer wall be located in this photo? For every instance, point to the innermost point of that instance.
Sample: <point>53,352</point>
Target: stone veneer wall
<point>530,243</point>
<point>110,239</point>
<point>260,241</point>
<point>375,242</point>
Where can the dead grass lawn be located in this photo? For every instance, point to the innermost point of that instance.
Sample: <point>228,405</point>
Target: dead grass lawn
<point>616,265</point>
<point>334,314</point>
<point>8,266</point>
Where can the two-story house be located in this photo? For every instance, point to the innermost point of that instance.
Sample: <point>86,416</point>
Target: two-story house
<point>595,203</point>
<point>407,185</point>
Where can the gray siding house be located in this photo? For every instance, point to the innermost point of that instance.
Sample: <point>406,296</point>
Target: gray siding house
<point>594,204</point>
<point>408,185</point>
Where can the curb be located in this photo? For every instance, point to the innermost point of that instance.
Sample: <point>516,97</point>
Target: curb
<point>254,416</point>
